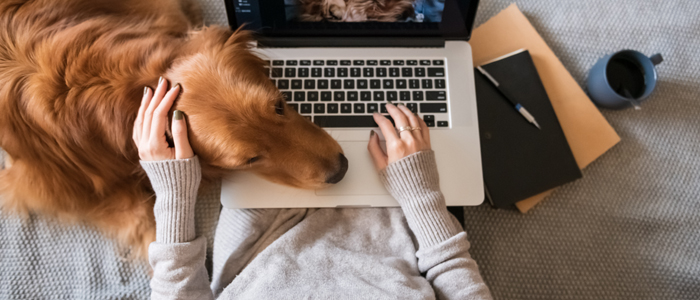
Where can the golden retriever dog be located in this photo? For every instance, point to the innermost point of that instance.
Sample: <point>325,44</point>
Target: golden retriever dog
<point>355,10</point>
<point>72,75</point>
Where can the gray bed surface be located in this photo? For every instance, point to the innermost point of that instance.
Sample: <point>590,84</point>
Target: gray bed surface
<point>629,229</point>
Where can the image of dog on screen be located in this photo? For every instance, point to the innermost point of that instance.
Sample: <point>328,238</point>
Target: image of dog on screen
<point>364,10</point>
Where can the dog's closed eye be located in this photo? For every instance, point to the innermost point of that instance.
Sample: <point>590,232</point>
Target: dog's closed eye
<point>252,160</point>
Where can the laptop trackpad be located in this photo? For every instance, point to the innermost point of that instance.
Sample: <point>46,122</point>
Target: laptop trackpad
<point>361,178</point>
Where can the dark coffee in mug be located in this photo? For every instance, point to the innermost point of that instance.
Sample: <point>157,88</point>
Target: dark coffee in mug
<point>626,76</point>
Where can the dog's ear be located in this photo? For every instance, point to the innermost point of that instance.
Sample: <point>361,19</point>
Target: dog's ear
<point>239,39</point>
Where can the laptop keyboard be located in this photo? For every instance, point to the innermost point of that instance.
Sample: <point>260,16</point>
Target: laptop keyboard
<point>345,93</point>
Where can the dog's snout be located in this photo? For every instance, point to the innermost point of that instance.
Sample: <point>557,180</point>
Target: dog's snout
<point>342,169</point>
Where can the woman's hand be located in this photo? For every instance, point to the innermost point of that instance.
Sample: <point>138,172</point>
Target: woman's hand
<point>150,124</point>
<point>409,136</point>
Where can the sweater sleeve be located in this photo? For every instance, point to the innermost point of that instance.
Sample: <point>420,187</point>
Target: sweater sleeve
<point>443,254</point>
<point>177,256</point>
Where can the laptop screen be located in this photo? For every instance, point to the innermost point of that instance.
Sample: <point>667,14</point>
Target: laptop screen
<point>452,19</point>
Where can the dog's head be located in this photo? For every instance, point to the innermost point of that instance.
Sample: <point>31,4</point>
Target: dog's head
<point>238,120</point>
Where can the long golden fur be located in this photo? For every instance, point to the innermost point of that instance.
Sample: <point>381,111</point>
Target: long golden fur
<point>72,74</point>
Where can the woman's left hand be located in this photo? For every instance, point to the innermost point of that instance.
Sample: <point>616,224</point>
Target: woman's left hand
<point>150,124</point>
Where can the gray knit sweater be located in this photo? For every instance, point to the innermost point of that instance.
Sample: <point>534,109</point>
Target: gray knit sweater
<point>416,252</point>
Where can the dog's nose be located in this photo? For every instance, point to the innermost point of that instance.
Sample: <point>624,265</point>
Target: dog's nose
<point>335,178</point>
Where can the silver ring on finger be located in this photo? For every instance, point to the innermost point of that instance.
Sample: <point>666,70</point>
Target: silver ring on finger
<point>404,128</point>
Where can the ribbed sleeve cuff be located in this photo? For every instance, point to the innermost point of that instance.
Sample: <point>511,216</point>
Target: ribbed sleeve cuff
<point>413,181</point>
<point>176,183</point>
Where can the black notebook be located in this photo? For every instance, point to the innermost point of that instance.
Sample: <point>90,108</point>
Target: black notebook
<point>519,160</point>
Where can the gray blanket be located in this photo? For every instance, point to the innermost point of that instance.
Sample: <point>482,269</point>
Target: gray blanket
<point>630,229</point>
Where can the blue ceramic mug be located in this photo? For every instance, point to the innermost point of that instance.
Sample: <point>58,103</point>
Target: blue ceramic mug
<point>623,79</point>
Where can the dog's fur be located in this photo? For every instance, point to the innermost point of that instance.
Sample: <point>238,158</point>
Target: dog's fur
<point>72,74</point>
<point>355,10</point>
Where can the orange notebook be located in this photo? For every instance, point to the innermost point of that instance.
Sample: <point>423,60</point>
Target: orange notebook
<point>588,133</point>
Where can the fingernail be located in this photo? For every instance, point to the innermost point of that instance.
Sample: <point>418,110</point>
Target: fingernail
<point>177,115</point>
<point>145,90</point>
<point>371,133</point>
<point>160,80</point>
<point>389,101</point>
<point>177,86</point>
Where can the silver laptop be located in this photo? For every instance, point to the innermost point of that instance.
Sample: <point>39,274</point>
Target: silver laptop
<point>337,71</point>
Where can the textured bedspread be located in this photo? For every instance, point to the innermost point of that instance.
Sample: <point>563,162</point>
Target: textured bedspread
<point>630,229</point>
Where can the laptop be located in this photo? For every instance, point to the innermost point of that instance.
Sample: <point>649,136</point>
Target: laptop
<point>337,64</point>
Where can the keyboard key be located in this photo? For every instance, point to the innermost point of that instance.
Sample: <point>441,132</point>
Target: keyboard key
<point>291,62</point>
<point>427,83</point>
<point>278,63</point>
<point>420,72</point>
<point>418,95</point>
<point>312,96</point>
<point>372,108</point>
<point>296,84</point>
<point>433,107</point>
<point>439,83</point>
<point>305,62</point>
<point>365,96</point>
<point>407,72</point>
<point>332,108</point>
<point>412,62</point>
<point>347,121</point>
<point>345,62</point>
<point>316,72</point>
<point>438,62</point>
<point>368,72</point>
<point>371,62</point>
<point>318,63</point>
<point>299,96</point>
<point>378,96</point>
<point>362,83</point>
<point>412,106</point>
<point>322,84</point>
<point>352,96</point>
<point>391,95</point>
<point>336,84</point>
<point>375,84</point>
<point>346,108</point>
<point>430,123</point>
<point>309,84</point>
<point>394,72</point>
<point>326,96</point>
<point>355,72</point>
<point>385,62</point>
<point>339,96</point>
<point>414,83</point>
<point>382,108</point>
<point>400,83</point>
<point>424,62</point>
<point>276,72</point>
<point>388,83</point>
<point>305,108</point>
<point>435,95</point>
<point>442,124</point>
<point>290,72</point>
<point>287,96</point>
<point>294,106</point>
<point>348,84</point>
<point>358,62</point>
<point>428,118</point>
<point>332,62</point>
<point>283,84</point>
<point>359,108</point>
<point>405,96</point>
<point>381,72</point>
<point>342,72</point>
<point>303,72</point>
<point>398,62</point>
<point>319,108</point>
<point>436,72</point>
<point>329,72</point>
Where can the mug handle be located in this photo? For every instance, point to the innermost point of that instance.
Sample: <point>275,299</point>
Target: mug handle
<point>656,59</point>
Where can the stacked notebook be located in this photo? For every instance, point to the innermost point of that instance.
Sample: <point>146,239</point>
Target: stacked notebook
<point>519,160</point>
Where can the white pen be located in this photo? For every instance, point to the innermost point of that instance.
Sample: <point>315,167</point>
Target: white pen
<point>517,105</point>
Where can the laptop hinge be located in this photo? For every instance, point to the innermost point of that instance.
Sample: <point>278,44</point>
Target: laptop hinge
<point>345,42</point>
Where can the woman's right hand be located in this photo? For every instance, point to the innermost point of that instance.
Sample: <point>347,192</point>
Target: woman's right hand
<point>398,144</point>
